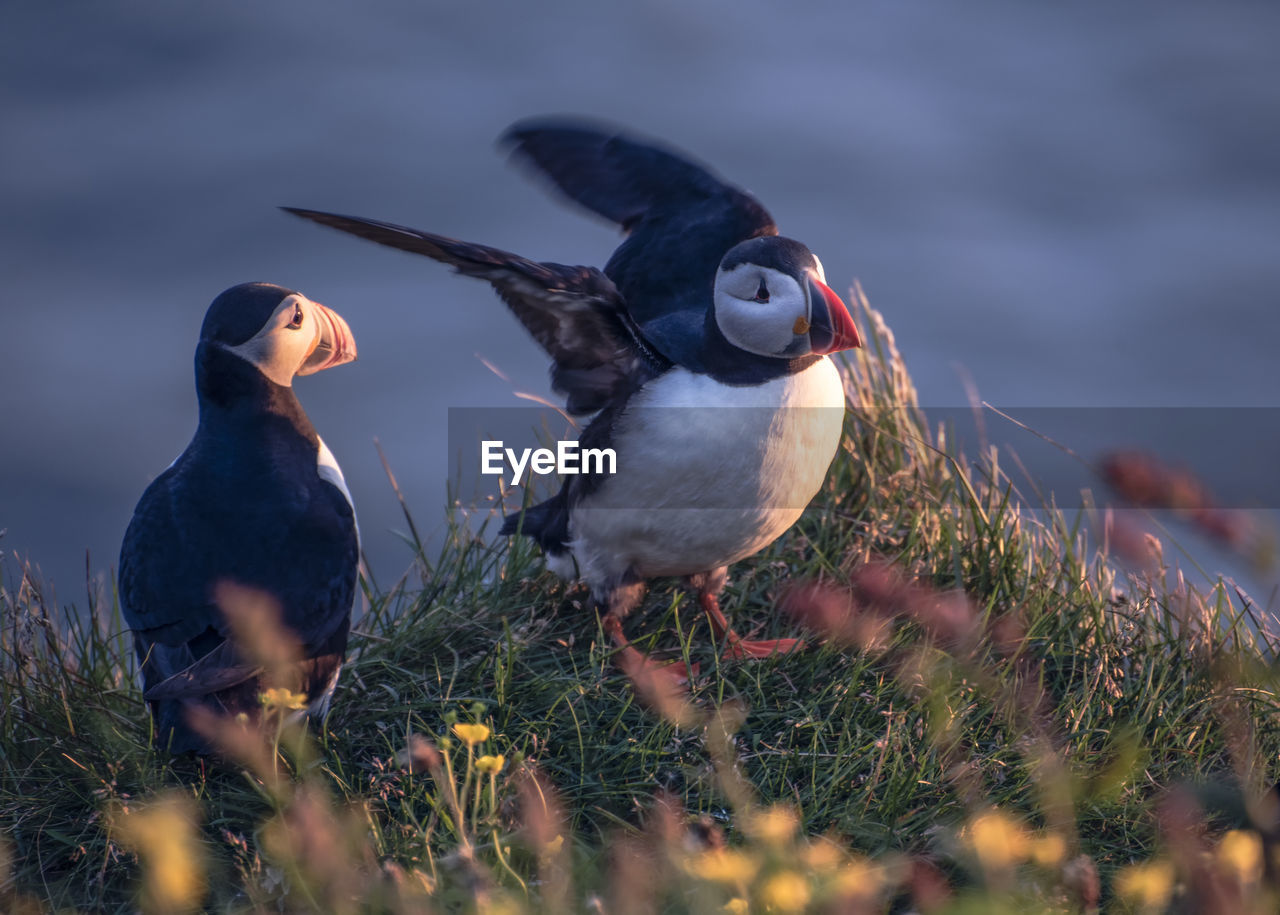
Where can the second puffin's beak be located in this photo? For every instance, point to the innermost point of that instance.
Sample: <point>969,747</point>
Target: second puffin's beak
<point>832,328</point>
<point>334,343</point>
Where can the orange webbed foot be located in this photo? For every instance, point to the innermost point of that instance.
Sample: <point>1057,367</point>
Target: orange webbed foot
<point>740,649</point>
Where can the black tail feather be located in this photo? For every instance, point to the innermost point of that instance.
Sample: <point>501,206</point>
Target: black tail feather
<point>547,522</point>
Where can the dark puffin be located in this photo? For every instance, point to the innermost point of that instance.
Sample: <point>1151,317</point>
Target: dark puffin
<point>255,509</point>
<point>701,348</point>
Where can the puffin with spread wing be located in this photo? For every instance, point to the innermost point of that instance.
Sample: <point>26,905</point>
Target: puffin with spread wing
<point>702,349</point>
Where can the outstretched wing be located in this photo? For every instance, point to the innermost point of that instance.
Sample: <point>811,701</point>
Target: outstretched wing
<point>575,313</point>
<point>626,179</point>
<point>681,219</point>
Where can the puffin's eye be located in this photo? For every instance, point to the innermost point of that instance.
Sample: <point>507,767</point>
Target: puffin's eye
<point>297,317</point>
<point>762,294</point>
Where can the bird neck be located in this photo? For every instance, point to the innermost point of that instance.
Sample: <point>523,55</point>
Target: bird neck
<point>239,403</point>
<point>730,364</point>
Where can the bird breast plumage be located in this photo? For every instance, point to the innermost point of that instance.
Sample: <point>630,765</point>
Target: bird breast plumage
<point>708,473</point>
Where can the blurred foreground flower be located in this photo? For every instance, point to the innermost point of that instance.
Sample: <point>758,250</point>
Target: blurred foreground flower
<point>1048,850</point>
<point>163,835</point>
<point>1239,853</point>
<point>543,825</point>
<point>786,891</point>
<point>1148,886</point>
<point>723,865</point>
<point>998,841</point>
<point>419,755</point>
<point>774,825</point>
<point>859,879</point>
<point>1144,480</point>
<point>664,688</point>
<point>862,615</point>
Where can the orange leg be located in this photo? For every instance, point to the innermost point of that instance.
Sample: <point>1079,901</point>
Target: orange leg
<point>621,600</point>
<point>637,665</point>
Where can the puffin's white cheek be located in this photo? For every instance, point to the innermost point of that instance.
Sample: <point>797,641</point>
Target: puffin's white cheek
<point>748,326</point>
<point>286,355</point>
<point>293,347</point>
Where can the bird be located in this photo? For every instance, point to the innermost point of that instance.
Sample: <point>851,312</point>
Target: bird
<point>701,353</point>
<point>255,509</point>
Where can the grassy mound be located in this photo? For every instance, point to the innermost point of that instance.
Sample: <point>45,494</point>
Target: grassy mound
<point>991,716</point>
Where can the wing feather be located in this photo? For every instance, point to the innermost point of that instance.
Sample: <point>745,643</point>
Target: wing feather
<point>574,313</point>
<point>680,219</point>
<point>625,178</point>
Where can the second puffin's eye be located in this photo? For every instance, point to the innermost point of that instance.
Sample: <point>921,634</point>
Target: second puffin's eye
<point>296,322</point>
<point>762,294</point>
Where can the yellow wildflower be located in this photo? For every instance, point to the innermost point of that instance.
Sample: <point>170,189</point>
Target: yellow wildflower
<point>163,834</point>
<point>786,891</point>
<point>281,698</point>
<point>998,841</point>
<point>1149,885</point>
<point>471,734</point>
<point>1240,854</point>
<point>736,906</point>
<point>722,865</point>
<point>490,765</point>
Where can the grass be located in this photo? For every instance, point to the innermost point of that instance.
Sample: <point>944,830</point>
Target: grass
<point>1002,716</point>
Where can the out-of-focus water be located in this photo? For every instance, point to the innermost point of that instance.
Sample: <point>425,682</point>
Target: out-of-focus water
<point>1070,204</point>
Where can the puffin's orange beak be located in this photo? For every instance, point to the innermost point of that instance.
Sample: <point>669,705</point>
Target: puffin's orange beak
<point>334,343</point>
<point>832,326</point>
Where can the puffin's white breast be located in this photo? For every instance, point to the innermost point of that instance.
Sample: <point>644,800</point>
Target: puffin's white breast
<point>329,471</point>
<point>708,473</point>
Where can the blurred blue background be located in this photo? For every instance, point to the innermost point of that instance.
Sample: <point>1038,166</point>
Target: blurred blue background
<point>1074,205</point>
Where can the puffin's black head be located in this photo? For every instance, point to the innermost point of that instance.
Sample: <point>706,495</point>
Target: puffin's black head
<point>771,298</point>
<point>281,332</point>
